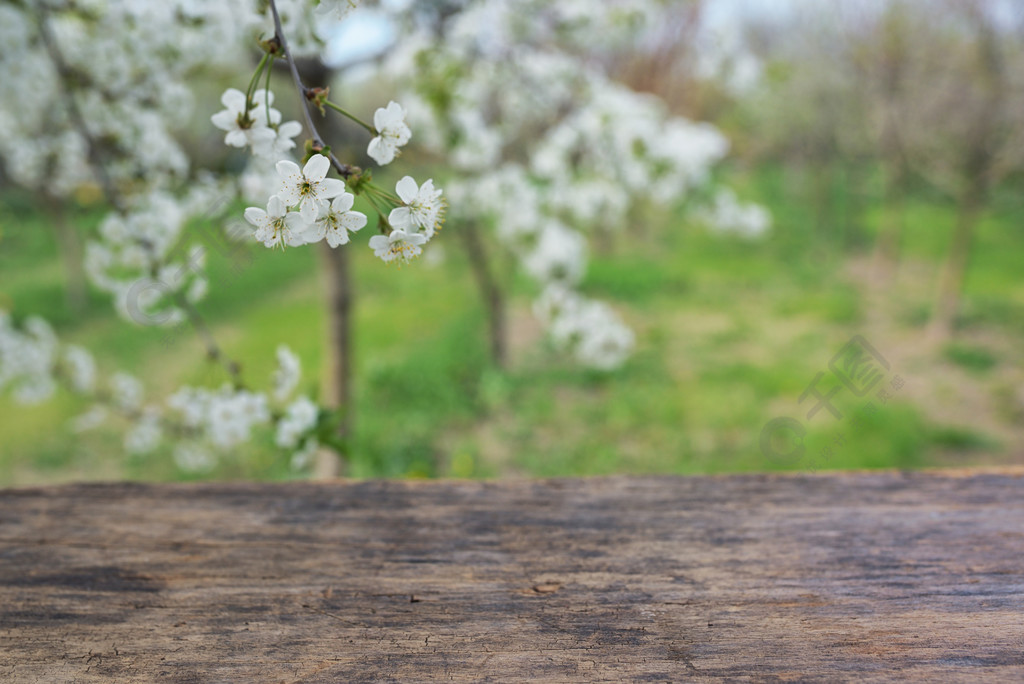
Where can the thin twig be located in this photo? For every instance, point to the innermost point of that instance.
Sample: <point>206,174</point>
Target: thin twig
<point>345,170</point>
<point>107,400</point>
<point>213,350</point>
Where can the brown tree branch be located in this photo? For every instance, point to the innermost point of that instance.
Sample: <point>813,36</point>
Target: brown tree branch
<point>344,170</point>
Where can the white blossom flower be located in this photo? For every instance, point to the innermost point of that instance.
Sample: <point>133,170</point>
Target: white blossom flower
<point>289,370</point>
<point>262,113</point>
<point>299,418</point>
<point>197,290</point>
<point>606,342</point>
<point>192,458</point>
<point>398,246</point>
<point>191,404</point>
<point>127,391</point>
<point>35,389</point>
<point>224,418</point>
<point>591,330</point>
<point>304,456</point>
<point>277,225</point>
<point>231,117</point>
<point>558,255</point>
<point>27,359</point>
<point>392,133</point>
<point>144,436</point>
<point>728,215</point>
<point>308,188</point>
<point>423,207</point>
<point>246,126</point>
<point>280,143</point>
<point>336,221</point>
<point>89,420</point>
<point>231,415</point>
<point>81,368</point>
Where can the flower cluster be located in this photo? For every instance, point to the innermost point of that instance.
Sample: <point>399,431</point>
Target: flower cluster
<point>110,107</point>
<point>588,329</point>
<point>413,223</point>
<point>217,421</point>
<point>253,122</point>
<point>28,358</point>
<point>108,110</point>
<point>310,207</point>
<point>727,214</point>
<point>204,422</point>
<point>140,257</point>
<point>392,133</point>
<point>305,205</point>
<point>316,217</point>
<point>131,87</point>
<point>550,148</point>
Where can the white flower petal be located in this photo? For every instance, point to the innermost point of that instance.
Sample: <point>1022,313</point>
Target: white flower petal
<point>353,220</point>
<point>316,168</point>
<point>236,138</point>
<point>297,231</point>
<point>287,169</point>
<point>381,151</point>
<point>225,120</point>
<point>336,238</point>
<point>407,189</point>
<point>330,187</point>
<point>309,210</point>
<point>263,97</point>
<point>255,216</point>
<point>343,202</point>
<point>275,207</point>
<point>289,129</point>
<point>233,99</point>
<point>400,217</point>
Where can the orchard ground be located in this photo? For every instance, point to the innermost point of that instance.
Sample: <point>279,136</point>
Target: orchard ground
<point>730,333</point>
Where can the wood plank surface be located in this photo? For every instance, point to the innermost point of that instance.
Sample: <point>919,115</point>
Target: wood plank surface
<point>839,577</point>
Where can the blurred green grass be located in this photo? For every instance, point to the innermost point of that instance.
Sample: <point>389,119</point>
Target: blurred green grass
<point>730,333</point>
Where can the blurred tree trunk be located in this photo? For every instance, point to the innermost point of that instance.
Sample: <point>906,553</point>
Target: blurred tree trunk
<point>337,280</point>
<point>338,286</point>
<point>854,182</point>
<point>951,282</point>
<point>977,168</point>
<point>890,233</point>
<point>69,245</point>
<point>490,292</point>
<point>893,58</point>
<point>821,197</point>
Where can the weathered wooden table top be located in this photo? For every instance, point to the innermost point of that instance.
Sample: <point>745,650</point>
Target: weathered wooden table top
<point>858,577</point>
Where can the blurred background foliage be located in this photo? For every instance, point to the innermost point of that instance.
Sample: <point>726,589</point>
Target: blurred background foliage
<point>871,131</point>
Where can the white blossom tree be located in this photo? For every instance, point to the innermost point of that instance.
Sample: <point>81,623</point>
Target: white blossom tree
<point>549,150</point>
<point>544,144</point>
<point>112,82</point>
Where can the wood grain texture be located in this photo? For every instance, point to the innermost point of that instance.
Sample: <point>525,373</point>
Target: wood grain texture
<point>839,577</point>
